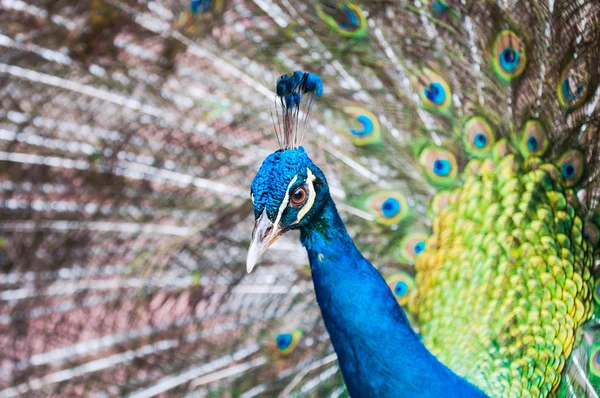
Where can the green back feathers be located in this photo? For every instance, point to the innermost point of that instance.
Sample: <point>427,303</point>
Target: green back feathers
<point>507,271</point>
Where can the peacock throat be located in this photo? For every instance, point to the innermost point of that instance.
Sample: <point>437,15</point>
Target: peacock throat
<point>507,251</point>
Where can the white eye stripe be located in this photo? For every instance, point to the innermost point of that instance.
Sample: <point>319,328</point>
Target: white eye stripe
<point>311,196</point>
<point>285,202</point>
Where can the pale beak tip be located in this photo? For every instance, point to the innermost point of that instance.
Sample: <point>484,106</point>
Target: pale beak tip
<point>253,256</point>
<point>263,236</point>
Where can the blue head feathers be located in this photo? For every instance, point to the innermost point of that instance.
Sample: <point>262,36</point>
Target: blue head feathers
<point>284,171</point>
<point>287,192</point>
<point>296,94</point>
<point>288,189</point>
<point>286,182</point>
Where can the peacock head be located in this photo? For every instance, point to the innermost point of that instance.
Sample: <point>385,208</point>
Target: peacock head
<point>288,191</point>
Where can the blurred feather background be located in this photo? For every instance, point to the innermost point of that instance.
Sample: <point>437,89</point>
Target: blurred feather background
<point>129,136</point>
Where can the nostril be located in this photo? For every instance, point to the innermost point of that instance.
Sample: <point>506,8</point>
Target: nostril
<point>267,232</point>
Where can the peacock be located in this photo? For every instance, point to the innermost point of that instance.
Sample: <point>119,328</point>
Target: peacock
<point>439,164</point>
<point>360,312</point>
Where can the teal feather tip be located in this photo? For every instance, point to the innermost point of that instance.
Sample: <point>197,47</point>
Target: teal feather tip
<point>287,342</point>
<point>403,286</point>
<point>369,130</point>
<point>346,19</point>
<point>291,88</point>
<point>296,91</point>
<point>200,6</point>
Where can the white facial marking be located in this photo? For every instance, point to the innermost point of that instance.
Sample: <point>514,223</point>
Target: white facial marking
<point>311,196</point>
<point>284,203</point>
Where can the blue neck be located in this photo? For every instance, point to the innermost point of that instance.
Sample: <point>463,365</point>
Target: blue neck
<point>378,352</point>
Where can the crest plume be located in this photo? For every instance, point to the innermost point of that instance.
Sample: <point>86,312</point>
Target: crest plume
<point>295,97</point>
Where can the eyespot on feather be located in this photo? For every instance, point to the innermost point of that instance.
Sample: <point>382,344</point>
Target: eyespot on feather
<point>368,130</point>
<point>434,91</point>
<point>344,18</point>
<point>572,89</point>
<point>594,360</point>
<point>597,292</point>
<point>200,6</point>
<point>402,286</point>
<point>198,17</point>
<point>534,140</point>
<point>411,246</point>
<point>287,342</point>
<point>571,166</point>
<point>388,207</point>
<point>478,136</point>
<point>441,9</point>
<point>509,58</point>
<point>203,8</point>
<point>439,165</point>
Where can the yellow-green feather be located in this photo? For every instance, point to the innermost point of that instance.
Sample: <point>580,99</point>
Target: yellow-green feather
<point>506,280</point>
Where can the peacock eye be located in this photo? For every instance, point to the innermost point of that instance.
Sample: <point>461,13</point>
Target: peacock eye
<point>299,197</point>
<point>509,55</point>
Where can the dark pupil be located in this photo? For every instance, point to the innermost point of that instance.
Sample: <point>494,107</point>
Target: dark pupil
<point>532,143</point>
<point>432,93</point>
<point>570,170</point>
<point>298,195</point>
<point>509,56</point>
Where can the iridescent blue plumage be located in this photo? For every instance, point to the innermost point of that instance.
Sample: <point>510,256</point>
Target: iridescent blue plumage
<point>442,167</point>
<point>400,289</point>
<point>271,183</point>
<point>284,340</point>
<point>360,312</point>
<point>286,343</point>
<point>391,207</point>
<point>532,143</point>
<point>367,126</point>
<point>435,92</point>
<point>200,6</point>
<point>296,94</point>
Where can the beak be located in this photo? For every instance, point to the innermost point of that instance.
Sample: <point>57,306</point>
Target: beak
<point>263,236</point>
